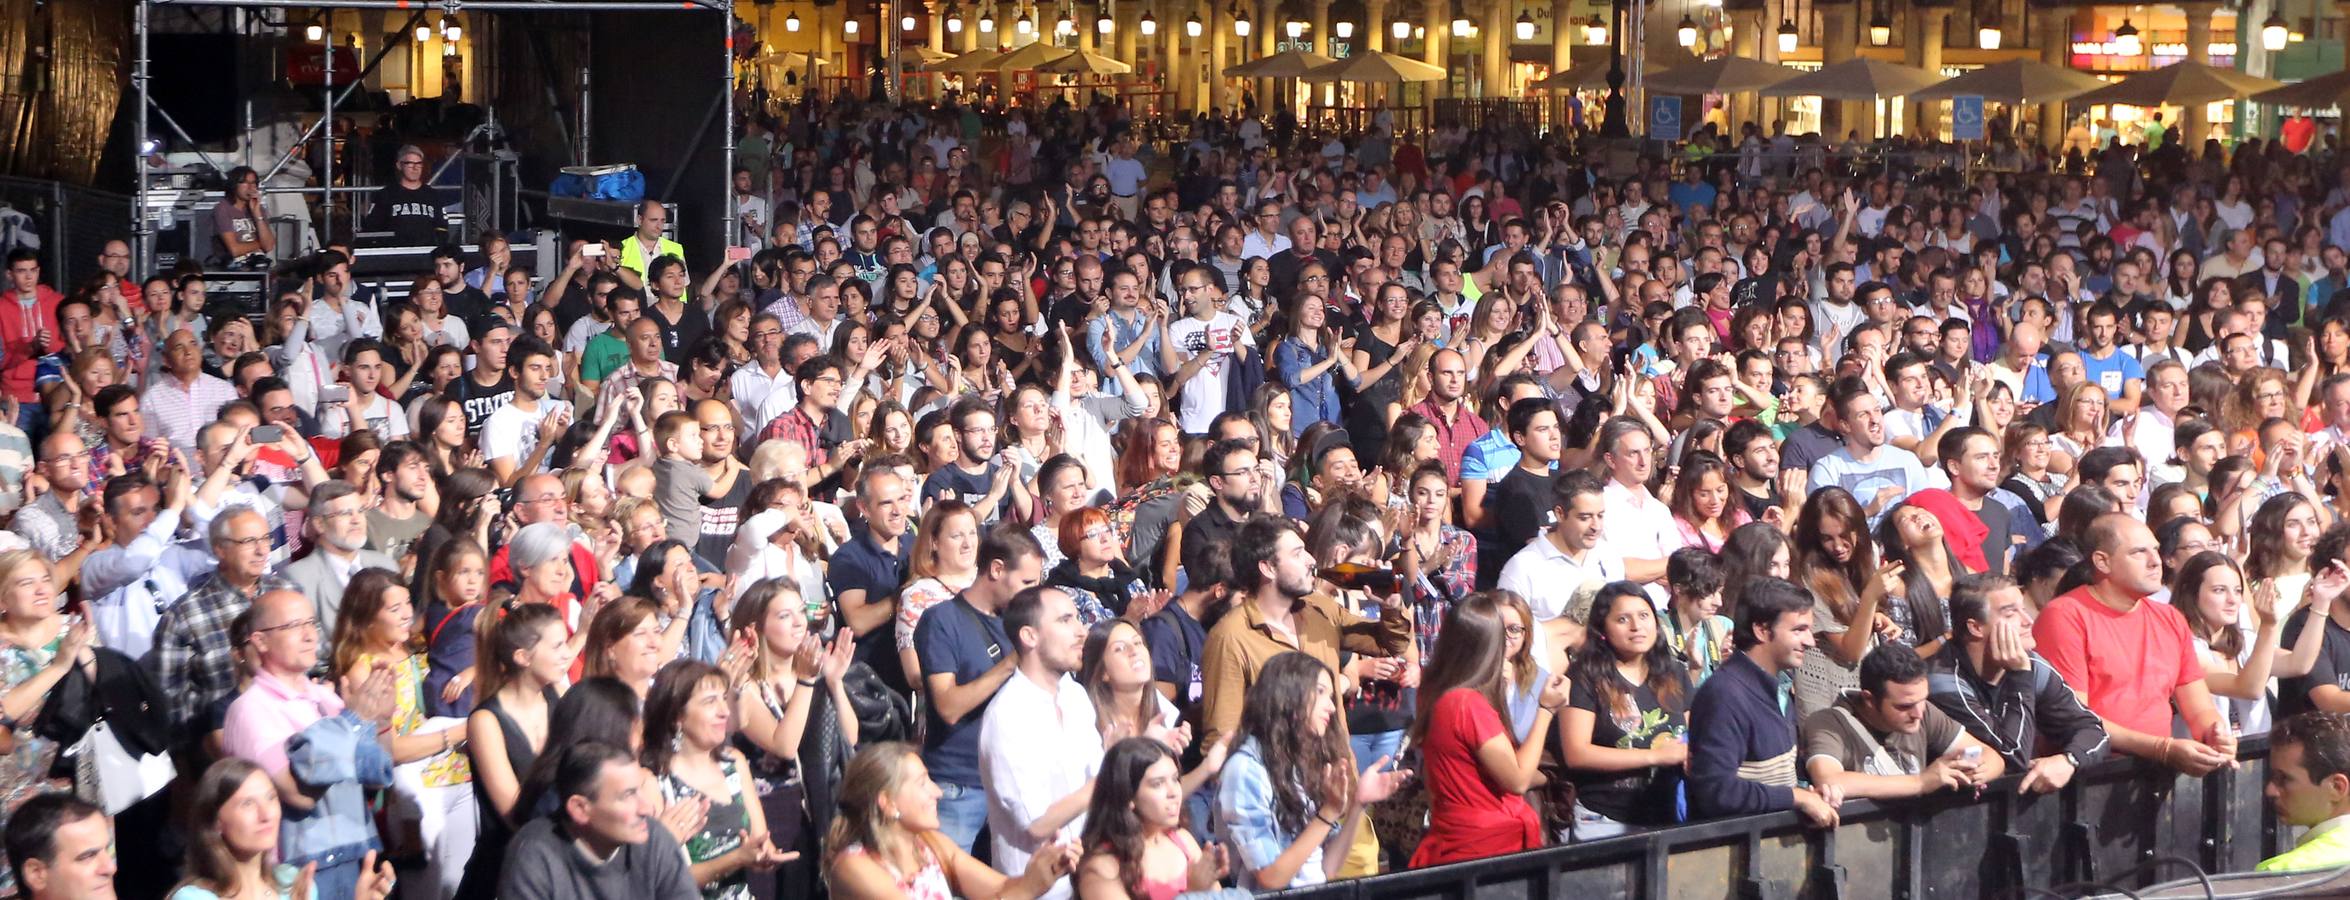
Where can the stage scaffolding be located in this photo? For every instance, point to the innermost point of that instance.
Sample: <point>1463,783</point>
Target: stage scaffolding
<point>144,223</point>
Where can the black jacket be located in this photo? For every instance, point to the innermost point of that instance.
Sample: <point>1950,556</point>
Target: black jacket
<point>2022,713</point>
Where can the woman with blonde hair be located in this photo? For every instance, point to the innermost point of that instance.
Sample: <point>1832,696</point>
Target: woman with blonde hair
<point>780,663</point>
<point>39,647</point>
<point>2080,426</point>
<point>886,843</point>
<point>944,561</point>
<point>2261,394</point>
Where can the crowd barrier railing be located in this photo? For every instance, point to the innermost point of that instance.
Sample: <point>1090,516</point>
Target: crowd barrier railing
<point>2122,822</point>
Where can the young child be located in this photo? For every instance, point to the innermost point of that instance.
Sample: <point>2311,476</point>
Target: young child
<point>679,482</point>
<point>1694,626</point>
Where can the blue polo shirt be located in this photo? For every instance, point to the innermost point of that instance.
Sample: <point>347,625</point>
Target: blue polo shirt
<point>955,638</point>
<point>864,564</point>
<point>1490,458</point>
<point>2114,372</point>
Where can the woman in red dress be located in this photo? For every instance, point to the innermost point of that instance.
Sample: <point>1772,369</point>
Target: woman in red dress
<point>1477,775</point>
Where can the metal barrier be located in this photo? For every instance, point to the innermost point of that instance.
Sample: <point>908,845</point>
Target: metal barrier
<point>72,222</point>
<point>2115,817</point>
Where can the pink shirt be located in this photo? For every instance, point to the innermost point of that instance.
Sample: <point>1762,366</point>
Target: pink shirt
<point>270,713</point>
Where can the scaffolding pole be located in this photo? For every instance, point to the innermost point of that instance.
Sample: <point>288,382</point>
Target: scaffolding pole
<point>142,225</point>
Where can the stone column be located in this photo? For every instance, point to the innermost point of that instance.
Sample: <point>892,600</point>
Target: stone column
<point>2197,122</point>
<point>1373,28</point>
<point>1435,48</point>
<point>1218,29</point>
<point>1746,40</point>
<point>1497,36</point>
<point>2055,34</point>
<point>1129,16</point>
<point>1838,44</point>
<point>1931,29</point>
<point>1267,36</point>
<point>1179,67</point>
<point>1323,44</point>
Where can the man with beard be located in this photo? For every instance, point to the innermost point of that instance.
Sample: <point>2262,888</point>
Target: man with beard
<point>396,521</point>
<point>1742,744</point>
<point>338,529</point>
<point>1876,473</point>
<point>517,437</point>
<point>1274,611</point>
<point>1038,747</point>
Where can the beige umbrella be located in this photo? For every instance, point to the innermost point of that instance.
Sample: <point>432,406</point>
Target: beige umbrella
<point>1861,78</point>
<point>1084,63</point>
<point>974,61</point>
<point>1377,67</point>
<point>1029,57</point>
<point>2183,83</point>
<point>2015,81</point>
<point>925,57</point>
<point>1726,75</point>
<point>2328,90</point>
<point>1285,64</point>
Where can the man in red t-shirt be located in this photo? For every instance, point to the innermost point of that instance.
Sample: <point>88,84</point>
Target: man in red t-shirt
<point>2133,661</point>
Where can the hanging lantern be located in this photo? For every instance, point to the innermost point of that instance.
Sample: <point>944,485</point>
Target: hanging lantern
<point>1787,35</point>
<point>1296,29</point>
<point>1525,25</point>
<point>1025,25</point>
<point>849,26</point>
<point>423,34</point>
<point>2274,34</point>
<point>315,32</point>
<point>1240,25</point>
<point>1191,26</point>
<point>451,30</point>
<point>1150,24</point>
<point>955,25</point>
<point>2125,39</point>
<point>1988,36</point>
<point>1880,29</point>
<point>1461,26</point>
<point>1102,24</point>
<point>1344,30</point>
<point>1401,29</point>
<point>1686,33</point>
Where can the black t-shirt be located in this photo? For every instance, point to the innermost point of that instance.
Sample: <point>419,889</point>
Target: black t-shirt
<point>472,306</point>
<point>679,336</point>
<point>412,215</point>
<point>478,401</point>
<point>952,481</point>
<point>1808,445</point>
<point>1756,506</point>
<point>720,515</point>
<point>1520,505</point>
<point>573,307</point>
<point>1637,796</point>
<point>2000,537</point>
<point>2332,666</point>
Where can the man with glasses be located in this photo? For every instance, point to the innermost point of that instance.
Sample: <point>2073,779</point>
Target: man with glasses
<point>194,658</point>
<point>408,209</point>
<point>337,525</point>
<point>49,522</point>
<point>314,744</point>
<point>1266,239</point>
<point>1201,350</point>
<point>751,384</point>
<point>1233,475</point>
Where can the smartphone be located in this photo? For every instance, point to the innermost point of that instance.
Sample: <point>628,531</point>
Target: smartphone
<point>595,249</point>
<point>334,393</point>
<point>738,254</point>
<point>268,434</point>
<point>1973,756</point>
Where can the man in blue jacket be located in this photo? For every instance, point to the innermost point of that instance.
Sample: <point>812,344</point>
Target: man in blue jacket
<point>1742,737</point>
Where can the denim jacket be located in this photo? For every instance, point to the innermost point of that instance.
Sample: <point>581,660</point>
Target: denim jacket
<point>340,752</point>
<point>1246,823</point>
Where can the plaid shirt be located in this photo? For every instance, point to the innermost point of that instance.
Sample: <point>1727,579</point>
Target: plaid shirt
<point>192,658</point>
<point>797,427</point>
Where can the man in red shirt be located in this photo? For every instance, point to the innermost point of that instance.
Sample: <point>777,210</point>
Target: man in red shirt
<point>2133,661</point>
<point>28,328</point>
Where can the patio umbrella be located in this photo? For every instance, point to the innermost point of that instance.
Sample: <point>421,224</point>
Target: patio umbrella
<point>1727,75</point>
<point>1856,79</point>
<point>2329,89</point>
<point>974,61</point>
<point>1084,63</point>
<point>924,57</point>
<point>2015,81</point>
<point>1285,64</point>
<point>1029,57</point>
<point>1377,67</point>
<point>2183,83</point>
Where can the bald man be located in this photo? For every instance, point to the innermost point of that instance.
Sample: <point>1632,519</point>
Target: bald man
<point>647,244</point>
<point>2143,662</point>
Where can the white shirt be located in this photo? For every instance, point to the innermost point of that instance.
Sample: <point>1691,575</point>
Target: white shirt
<point>1203,397</point>
<point>1255,245</point>
<point>1035,747</point>
<point>751,385</point>
<point>1639,526</point>
<point>1548,578</point>
<point>383,417</point>
<point>513,432</point>
<point>134,584</point>
<point>575,339</point>
<point>2147,431</point>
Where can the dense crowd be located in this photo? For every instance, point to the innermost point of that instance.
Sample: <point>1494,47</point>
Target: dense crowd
<point>1027,509</point>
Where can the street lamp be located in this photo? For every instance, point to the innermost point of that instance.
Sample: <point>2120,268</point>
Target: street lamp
<point>450,30</point>
<point>1295,28</point>
<point>1344,30</point>
<point>955,25</point>
<point>315,32</point>
<point>1525,25</point>
<point>849,26</point>
<point>2274,34</point>
<point>1102,23</point>
<point>791,23</point>
<point>1880,29</point>
<point>1461,25</point>
<point>1595,33</point>
<point>1239,23</point>
<point>2125,39</point>
<point>1150,24</point>
<point>1686,33</point>
<point>423,34</point>
<point>1026,25</point>
<point>1191,26</point>
<point>1786,35</point>
<point>1987,33</point>
<point>906,23</point>
<point>1401,29</point>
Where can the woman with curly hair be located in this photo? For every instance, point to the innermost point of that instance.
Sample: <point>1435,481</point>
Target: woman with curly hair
<point>1281,804</point>
<point>1136,847</point>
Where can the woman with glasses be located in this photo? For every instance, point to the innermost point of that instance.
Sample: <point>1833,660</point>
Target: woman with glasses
<point>39,647</point>
<point>1093,566</point>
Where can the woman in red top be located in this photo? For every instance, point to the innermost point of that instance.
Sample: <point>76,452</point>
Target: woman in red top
<point>1476,774</point>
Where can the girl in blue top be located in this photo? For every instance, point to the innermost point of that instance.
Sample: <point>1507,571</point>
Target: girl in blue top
<point>233,850</point>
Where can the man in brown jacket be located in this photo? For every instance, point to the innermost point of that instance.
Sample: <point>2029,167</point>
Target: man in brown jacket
<point>1277,611</point>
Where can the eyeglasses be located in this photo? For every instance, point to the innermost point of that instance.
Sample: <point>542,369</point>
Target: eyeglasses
<point>241,543</point>
<point>311,623</point>
<point>1514,630</point>
<point>344,514</point>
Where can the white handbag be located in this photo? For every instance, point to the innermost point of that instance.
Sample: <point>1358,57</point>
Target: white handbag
<point>111,776</point>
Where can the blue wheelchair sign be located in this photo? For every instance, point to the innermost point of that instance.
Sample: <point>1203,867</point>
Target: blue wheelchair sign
<point>1664,118</point>
<point>1966,117</point>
